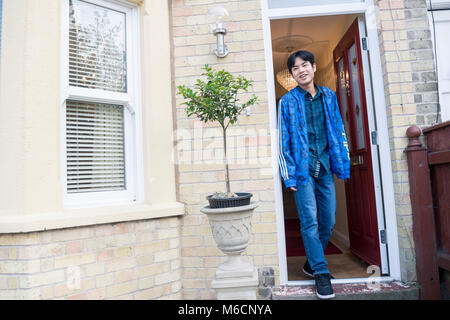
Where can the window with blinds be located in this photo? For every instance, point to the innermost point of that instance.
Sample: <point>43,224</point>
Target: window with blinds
<point>95,147</point>
<point>98,126</point>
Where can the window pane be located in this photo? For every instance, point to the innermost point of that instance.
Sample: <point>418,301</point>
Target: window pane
<point>342,83</point>
<point>97,47</point>
<point>95,147</point>
<point>356,89</point>
<point>273,4</point>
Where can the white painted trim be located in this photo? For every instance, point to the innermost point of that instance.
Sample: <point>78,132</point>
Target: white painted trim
<point>438,4</point>
<point>383,143</point>
<point>131,101</point>
<point>312,11</point>
<point>97,95</point>
<point>282,259</point>
<point>381,119</point>
<point>373,148</point>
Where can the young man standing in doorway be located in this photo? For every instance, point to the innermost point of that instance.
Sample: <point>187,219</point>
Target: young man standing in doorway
<point>312,146</point>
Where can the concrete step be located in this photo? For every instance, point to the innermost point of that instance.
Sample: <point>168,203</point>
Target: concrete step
<point>351,291</point>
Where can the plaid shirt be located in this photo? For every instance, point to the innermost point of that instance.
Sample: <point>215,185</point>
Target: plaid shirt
<point>317,132</point>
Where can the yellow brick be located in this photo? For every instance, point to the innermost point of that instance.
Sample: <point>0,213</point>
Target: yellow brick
<point>167,277</point>
<point>62,290</point>
<point>120,264</point>
<point>96,294</point>
<point>175,264</point>
<point>123,252</point>
<point>192,262</point>
<point>19,239</point>
<point>47,293</point>
<point>151,247</point>
<point>149,294</point>
<point>104,280</point>
<point>123,276</point>
<point>151,270</point>
<point>174,243</point>
<point>167,255</point>
<point>264,228</point>
<point>40,279</point>
<point>168,233</point>
<point>94,269</point>
<point>72,234</point>
<point>15,266</point>
<point>209,187</point>
<point>192,241</point>
<point>13,283</point>
<point>74,260</point>
<point>269,238</point>
<point>144,259</point>
<point>95,244</point>
<point>194,283</point>
<point>146,283</point>
<point>270,260</point>
<point>12,253</point>
<point>121,289</point>
<point>146,236</point>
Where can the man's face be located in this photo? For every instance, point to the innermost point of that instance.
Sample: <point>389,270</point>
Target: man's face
<point>303,72</point>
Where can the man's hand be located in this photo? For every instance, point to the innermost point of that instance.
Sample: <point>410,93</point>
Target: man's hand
<point>293,188</point>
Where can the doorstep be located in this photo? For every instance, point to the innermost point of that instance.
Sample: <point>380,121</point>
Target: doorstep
<point>392,290</point>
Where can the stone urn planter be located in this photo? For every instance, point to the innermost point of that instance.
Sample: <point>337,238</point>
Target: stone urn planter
<point>231,229</point>
<point>229,213</point>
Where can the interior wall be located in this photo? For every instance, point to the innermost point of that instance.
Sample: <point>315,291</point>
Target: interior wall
<point>325,76</point>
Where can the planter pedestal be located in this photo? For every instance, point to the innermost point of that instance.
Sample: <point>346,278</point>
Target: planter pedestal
<point>235,279</point>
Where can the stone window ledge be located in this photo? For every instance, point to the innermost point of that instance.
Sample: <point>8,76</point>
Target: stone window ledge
<point>85,217</point>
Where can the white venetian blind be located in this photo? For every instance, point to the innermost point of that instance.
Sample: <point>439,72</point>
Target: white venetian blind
<point>97,47</point>
<point>95,147</point>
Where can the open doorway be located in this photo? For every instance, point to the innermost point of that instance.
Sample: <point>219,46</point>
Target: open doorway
<point>355,243</point>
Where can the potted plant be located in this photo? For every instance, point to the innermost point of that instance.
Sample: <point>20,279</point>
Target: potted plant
<point>229,213</point>
<point>216,99</point>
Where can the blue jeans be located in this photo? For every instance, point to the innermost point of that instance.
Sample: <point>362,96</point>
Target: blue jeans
<point>316,206</point>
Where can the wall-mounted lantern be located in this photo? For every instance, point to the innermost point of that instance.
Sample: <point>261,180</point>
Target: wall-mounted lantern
<point>219,31</point>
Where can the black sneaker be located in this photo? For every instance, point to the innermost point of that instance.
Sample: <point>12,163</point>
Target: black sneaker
<point>309,271</point>
<point>324,290</point>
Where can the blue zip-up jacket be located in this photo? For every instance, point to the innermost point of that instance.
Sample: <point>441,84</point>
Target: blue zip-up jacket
<point>293,156</point>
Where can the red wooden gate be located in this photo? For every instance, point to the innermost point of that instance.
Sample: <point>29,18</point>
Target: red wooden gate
<point>429,178</point>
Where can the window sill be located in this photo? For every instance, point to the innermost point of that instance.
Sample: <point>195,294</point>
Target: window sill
<point>85,217</point>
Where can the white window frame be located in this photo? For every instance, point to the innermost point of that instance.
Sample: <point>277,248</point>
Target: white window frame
<point>440,7</point>
<point>131,101</point>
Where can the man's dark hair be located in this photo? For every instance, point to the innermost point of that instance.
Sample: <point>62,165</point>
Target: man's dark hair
<point>305,55</point>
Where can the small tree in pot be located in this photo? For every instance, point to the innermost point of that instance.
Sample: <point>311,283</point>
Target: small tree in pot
<point>216,99</point>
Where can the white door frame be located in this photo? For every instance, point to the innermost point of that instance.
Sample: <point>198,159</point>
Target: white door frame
<point>380,117</point>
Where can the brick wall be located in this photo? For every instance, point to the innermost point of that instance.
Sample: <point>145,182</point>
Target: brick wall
<point>131,260</point>
<point>199,166</point>
<point>411,97</point>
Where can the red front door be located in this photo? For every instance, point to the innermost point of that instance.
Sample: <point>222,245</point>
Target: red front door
<point>359,189</point>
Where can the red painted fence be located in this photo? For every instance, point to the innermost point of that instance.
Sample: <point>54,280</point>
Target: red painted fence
<point>429,178</point>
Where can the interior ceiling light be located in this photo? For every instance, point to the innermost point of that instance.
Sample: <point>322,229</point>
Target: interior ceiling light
<point>288,45</point>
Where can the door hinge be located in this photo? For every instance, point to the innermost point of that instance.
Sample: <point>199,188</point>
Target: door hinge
<point>364,41</point>
<point>383,236</point>
<point>374,137</point>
